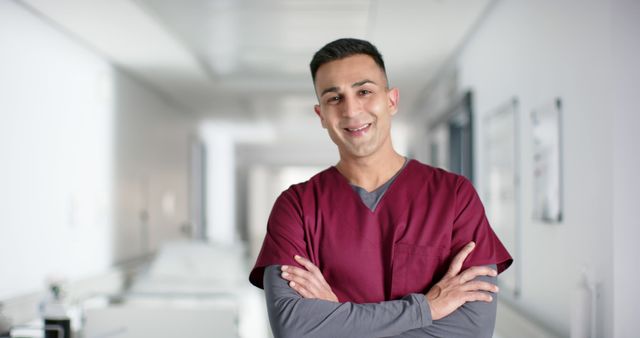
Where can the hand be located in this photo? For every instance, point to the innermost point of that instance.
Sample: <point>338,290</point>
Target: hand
<point>308,283</point>
<point>457,288</point>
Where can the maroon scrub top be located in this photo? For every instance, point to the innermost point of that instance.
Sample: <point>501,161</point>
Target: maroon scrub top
<point>404,246</point>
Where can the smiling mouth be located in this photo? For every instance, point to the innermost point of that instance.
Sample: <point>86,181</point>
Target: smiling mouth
<point>361,128</point>
<point>358,131</point>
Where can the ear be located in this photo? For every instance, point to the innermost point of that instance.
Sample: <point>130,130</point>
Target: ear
<point>316,108</point>
<point>393,96</point>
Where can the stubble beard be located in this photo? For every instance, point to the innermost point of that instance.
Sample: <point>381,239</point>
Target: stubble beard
<point>360,149</point>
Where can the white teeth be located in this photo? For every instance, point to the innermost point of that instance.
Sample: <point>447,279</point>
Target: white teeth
<point>358,129</point>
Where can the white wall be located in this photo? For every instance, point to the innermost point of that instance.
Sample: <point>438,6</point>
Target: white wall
<point>76,139</point>
<point>537,51</point>
<point>626,161</point>
<point>56,140</point>
<point>151,168</point>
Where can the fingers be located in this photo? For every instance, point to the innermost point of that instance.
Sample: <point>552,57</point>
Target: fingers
<point>302,277</point>
<point>306,263</point>
<point>473,272</point>
<point>480,286</point>
<point>458,260</point>
<point>308,281</point>
<point>478,296</point>
<point>319,278</point>
<point>301,290</point>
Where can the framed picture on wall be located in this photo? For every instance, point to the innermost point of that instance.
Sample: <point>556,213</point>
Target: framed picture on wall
<point>500,183</point>
<point>546,122</point>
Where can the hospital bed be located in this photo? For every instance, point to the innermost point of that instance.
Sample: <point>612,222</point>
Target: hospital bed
<point>191,289</point>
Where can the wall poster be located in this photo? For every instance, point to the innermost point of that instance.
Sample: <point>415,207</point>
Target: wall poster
<point>501,184</point>
<point>546,123</point>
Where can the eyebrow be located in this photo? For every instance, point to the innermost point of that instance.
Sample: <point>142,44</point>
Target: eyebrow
<point>355,84</point>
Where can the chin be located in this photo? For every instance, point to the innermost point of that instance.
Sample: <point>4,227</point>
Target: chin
<point>360,152</point>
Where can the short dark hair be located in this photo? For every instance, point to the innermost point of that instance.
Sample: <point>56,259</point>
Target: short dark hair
<point>342,48</point>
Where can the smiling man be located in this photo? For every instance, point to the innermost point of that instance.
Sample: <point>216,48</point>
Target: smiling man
<point>378,245</point>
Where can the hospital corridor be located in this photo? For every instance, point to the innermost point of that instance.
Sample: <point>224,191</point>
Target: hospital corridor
<point>145,145</point>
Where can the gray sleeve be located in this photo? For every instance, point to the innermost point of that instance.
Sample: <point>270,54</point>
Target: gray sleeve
<point>290,315</point>
<point>473,319</point>
<point>405,318</point>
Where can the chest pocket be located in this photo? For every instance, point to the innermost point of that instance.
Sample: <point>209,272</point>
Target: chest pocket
<point>416,268</point>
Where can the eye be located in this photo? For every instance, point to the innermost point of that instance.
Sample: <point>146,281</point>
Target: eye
<point>363,92</point>
<point>334,99</point>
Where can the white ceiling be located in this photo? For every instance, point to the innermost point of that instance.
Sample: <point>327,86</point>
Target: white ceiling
<point>250,58</point>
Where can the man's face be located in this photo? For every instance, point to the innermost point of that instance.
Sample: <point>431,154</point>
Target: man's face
<point>355,105</point>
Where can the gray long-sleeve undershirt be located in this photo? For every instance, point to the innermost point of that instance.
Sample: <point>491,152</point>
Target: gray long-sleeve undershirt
<point>290,315</point>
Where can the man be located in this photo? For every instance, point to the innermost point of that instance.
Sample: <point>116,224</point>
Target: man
<point>366,248</point>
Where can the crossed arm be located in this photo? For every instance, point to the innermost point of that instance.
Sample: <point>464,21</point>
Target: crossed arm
<point>301,304</point>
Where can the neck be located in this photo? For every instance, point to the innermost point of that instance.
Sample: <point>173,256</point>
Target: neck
<point>372,171</point>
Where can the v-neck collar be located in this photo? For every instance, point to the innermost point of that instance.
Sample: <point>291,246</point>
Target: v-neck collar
<point>396,177</point>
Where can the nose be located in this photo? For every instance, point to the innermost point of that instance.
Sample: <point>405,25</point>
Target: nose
<point>351,106</point>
